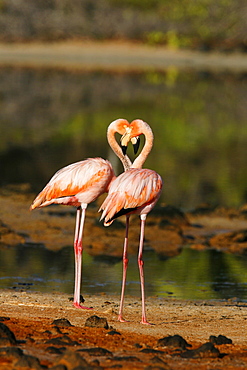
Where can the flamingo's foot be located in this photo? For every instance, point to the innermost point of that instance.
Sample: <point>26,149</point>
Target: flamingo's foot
<point>121,319</point>
<point>77,305</point>
<point>145,322</point>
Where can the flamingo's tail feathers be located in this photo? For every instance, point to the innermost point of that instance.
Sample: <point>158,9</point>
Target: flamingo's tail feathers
<point>36,203</point>
<point>41,200</point>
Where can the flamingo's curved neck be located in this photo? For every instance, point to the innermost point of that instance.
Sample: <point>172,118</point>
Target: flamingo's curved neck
<point>149,138</point>
<point>117,149</point>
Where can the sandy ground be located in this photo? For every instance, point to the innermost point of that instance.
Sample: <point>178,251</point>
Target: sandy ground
<point>116,56</point>
<point>194,320</point>
<point>31,316</point>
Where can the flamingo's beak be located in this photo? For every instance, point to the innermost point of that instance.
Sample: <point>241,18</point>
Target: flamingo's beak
<point>126,138</point>
<point>124,141</point>
<point>136,143</point>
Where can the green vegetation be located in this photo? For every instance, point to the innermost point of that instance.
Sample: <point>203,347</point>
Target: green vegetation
<point>185,23</point>
<point>203,24</point>
<point>171,39</point>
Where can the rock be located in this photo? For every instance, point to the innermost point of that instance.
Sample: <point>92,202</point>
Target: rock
<point>55,350</point>
<point>11,353</point>
<point>97,322</point>
<point>234,241</point>
<point>61,322</point>
<point>138,345</point>
<point>207,350</point>
<point>29,362</point>
<point>221,339</point>
<point>113,332</point>
<point>96,351</point>
<point>7,337</point>
<point>4,318</point>
<point>71,360</point>
<point>175,341</point>
<point>62,341</point>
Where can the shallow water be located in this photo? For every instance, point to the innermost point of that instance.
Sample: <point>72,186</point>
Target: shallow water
<point>50,118</point>
<point>191,275</point>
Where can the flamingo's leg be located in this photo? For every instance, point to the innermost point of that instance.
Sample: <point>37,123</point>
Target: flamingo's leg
<point>78,249</point>
<point>140,264</point>
<point>125,265</point>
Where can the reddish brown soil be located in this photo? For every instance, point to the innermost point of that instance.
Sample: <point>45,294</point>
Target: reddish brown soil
<point>32,315</point>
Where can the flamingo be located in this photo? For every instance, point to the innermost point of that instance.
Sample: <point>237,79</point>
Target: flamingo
<point>135,191</point>
<point>81,183</point>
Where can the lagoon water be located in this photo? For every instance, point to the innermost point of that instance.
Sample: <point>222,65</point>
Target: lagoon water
<point>50,118</point>
<point>191,275</point>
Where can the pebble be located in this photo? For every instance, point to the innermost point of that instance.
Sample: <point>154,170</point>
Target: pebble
<point>207,350</point>
<point>221,339</point>
<point>97,322</point>
<point>55,350</point>
<point>175,341</point>
<point>113,332</point>
<point>61,322</point>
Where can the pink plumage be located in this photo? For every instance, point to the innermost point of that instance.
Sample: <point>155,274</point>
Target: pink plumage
<point>134,191</point>
<point>79,184</point>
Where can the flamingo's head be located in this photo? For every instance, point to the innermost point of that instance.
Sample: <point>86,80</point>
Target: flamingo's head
<point>129,136</point>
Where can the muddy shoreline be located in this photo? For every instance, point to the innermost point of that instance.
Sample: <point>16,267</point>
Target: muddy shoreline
<point>168,228</point>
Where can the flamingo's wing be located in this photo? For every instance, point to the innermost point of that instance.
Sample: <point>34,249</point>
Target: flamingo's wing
<point>80,182</point>
<point>131,191</point>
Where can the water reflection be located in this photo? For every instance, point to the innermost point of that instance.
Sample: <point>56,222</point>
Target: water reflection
<point>51,118</point>
<point>191,275</point>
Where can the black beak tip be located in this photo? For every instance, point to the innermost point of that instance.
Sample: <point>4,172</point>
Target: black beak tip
<point>124,149</point>
<point>136,145</point>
